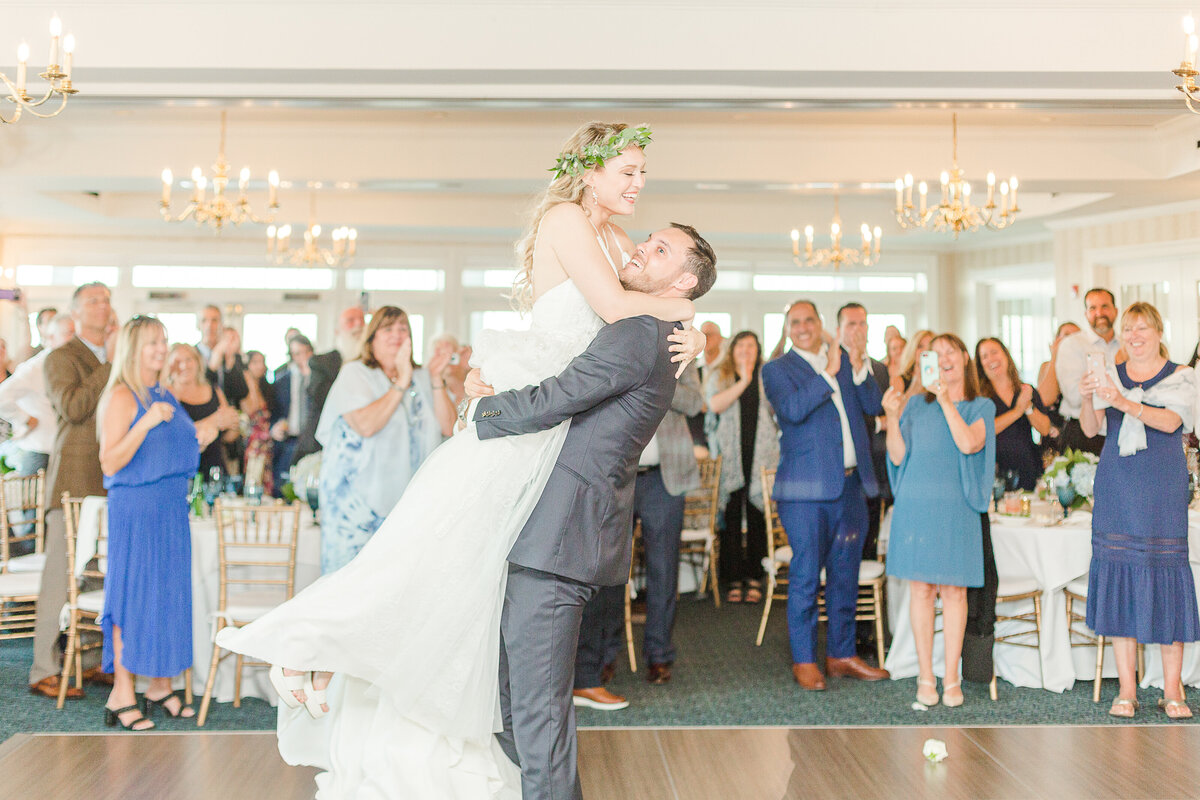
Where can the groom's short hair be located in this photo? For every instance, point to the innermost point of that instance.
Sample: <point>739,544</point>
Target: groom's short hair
<point>701,261</point>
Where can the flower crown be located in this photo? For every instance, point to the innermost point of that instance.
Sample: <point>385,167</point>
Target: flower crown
<point>594,155</point>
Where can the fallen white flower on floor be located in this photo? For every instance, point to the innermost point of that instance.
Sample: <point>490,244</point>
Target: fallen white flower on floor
<point>918,706</point>
<point>935,750</point>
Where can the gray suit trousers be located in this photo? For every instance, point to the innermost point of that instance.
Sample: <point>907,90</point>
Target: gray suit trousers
<point>47,654</point>
<point>539,631</point>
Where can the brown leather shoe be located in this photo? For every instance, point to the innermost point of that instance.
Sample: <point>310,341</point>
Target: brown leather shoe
<point>854,667</point>
<point>608,671</point>
<point>809,677</point>
<point>599,698</point>
<point>658,674</point>
<point>48,687</point>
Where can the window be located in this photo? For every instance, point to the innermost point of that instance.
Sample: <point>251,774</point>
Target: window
<point>797,283</point>
<point>876,326</point>
<point>288,278</point>
<point>771,330</point>
<point>181,327</point>
<point>402,280</point>
<point>488,278</point>
<point>47,275</point>
<point>498,321</point>
<point>1016,331</point>
<point>264,332</point>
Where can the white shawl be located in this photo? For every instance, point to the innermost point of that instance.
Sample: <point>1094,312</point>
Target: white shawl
<point>1176,392</point>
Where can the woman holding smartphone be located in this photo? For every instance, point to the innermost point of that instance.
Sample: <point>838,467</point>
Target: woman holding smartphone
<point>941,459</point>
<point>1140,585</point>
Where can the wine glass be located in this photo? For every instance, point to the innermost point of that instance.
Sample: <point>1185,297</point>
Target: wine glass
<point>1013,479</point>
<point>1066,496</point>
<point>254,492</point>
<point>311,486</point>
<point>211,490</point>
<point>998,487</point>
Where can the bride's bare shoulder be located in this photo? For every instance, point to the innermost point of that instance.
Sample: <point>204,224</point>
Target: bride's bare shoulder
<point>563,218</point>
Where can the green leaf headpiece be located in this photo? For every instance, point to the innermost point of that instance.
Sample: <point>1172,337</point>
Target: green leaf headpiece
<point>594,155</point>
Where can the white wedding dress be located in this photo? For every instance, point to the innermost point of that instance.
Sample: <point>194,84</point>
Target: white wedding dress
<point>411,626</point>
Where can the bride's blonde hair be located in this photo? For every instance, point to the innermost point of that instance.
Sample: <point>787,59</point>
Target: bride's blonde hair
<point>566,188</point>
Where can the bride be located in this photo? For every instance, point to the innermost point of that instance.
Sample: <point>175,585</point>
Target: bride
<point>410,627</point>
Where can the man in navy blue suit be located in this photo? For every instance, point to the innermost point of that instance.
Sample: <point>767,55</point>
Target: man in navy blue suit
<point>820,392</point>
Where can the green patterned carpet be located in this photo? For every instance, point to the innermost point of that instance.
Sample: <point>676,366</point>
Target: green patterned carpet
<point>720,679</point>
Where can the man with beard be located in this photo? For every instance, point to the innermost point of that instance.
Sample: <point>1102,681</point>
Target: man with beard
<point>1099,337</point>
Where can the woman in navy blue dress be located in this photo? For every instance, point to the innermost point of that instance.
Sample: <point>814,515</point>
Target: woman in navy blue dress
<point>941,459</point>
<point>1140,586</point>
<point>1019,411</point>
<point>149,449</point>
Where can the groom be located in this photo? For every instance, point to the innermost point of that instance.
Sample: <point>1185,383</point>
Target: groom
<point>577,538</point>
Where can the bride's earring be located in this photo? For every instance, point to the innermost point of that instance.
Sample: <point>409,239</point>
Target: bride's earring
<point>595,199</point>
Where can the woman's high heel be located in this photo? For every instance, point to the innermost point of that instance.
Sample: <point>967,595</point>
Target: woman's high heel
<point>149,704</point>
<point>112,718</point>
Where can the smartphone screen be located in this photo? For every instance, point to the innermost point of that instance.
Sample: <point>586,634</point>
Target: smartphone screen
<point>929,368</point>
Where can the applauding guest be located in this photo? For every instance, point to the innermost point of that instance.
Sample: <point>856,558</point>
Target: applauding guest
<point>1140,586</point>
<point>256,405</point>
<point>1019,412</point>
<point>186,378</point>
<point>747,439</point>
<point>148,453</point>
<point>908,380</point>
<point>1099,339</point>
<point>380,421</point>
<point>941,460</point>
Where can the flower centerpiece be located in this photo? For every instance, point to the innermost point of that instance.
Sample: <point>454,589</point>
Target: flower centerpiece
<point>1074,468</point>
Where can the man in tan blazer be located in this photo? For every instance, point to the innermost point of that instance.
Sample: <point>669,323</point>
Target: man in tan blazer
<point>76,374</point>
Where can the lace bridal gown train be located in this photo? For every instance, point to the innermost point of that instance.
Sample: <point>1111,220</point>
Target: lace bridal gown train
<point>411,626</point>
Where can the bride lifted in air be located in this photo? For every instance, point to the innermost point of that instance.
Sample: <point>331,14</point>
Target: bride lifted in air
<point>410,629</point>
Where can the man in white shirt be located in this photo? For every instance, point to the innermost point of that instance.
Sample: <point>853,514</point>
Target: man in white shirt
<point>25,404</point>
<point>821,394</point>
<point>1099,337</point>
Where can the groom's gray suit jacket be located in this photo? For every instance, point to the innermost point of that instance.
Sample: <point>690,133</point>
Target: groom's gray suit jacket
<point>615,394</point>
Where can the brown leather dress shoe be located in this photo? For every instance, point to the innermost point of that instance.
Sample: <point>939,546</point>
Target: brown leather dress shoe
<point>599,698</point>
<point>658,674</point>
<point>48,687</point>
<point>94,675</point>
<point>608,671</point>
<point>854,667</point>
<point>809,677</point>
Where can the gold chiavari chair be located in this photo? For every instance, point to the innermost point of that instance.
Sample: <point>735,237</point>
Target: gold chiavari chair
<point>629,592</point>
<point>698,543</point>
<point>20,495</point>
<point>1083,636</point>
<point>83,609</point>
<point>1029,632</point>
<point>871,577</point>
<point>256,550</point>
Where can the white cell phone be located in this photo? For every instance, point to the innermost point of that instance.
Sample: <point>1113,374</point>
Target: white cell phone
<point>929,368</point>
<point>1095,364</point>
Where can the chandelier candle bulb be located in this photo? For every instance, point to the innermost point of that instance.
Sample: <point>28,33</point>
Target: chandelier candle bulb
<point>55,33</point>
<point>945,187</point>
<point>924,190</point>
<point>991,195</point>
<point>808,240</point>
<point>1012,184</point>
<point>69,50</point>
<point>273,194</point>
<point>22,57</point>
<point>244,180</point>
<point>167,180</point>
<point>795,242</point>
<point>908,186</point>
<point>1189,28</point>
<point>899,196</point>
<point>878,236</point>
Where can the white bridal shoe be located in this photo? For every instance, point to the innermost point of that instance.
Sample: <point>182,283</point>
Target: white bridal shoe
<point>285,685</point>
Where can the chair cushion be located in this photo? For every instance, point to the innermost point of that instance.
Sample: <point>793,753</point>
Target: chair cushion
<point>250,605</point>
<point>1009,586</point>
<point>870,570</point>
<point>92,602</point>
<point>1078,586</point>
<point>20,584</point>
<point>34,562</point>
<point>696,535</point>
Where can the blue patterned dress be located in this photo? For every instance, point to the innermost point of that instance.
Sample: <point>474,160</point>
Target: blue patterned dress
<point>363,477</point>
<point>148,585</point>
<point>1140,583</point>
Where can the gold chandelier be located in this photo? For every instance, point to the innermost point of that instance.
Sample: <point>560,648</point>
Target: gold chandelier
<point>836,255</point>
<point>339,254</point>
<point>58,77</point>
<point>955,212</point>
<point>1187,68</point>
<point>218,210</point>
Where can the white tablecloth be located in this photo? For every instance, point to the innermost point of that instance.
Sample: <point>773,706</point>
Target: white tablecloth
<point>1053,557</point>
<point>205,590</point>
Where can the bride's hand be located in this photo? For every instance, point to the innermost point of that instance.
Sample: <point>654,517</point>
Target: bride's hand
<point>475,387</point>
<point>688,345</point>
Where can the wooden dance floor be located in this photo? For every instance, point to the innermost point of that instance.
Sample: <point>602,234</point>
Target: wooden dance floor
<point>668,764</point>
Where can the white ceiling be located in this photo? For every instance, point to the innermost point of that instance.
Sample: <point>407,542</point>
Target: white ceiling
<point>439,119</point>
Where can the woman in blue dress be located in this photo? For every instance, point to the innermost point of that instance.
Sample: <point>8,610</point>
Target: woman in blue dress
<point>941,459</point>
<point>149,449</point>
<point>1140,586</point>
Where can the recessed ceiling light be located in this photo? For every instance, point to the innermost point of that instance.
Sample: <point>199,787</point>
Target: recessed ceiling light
<point>713,187</point>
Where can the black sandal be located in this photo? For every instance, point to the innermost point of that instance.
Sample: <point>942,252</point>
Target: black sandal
<point>112,718</point>
<point>162,704</point>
